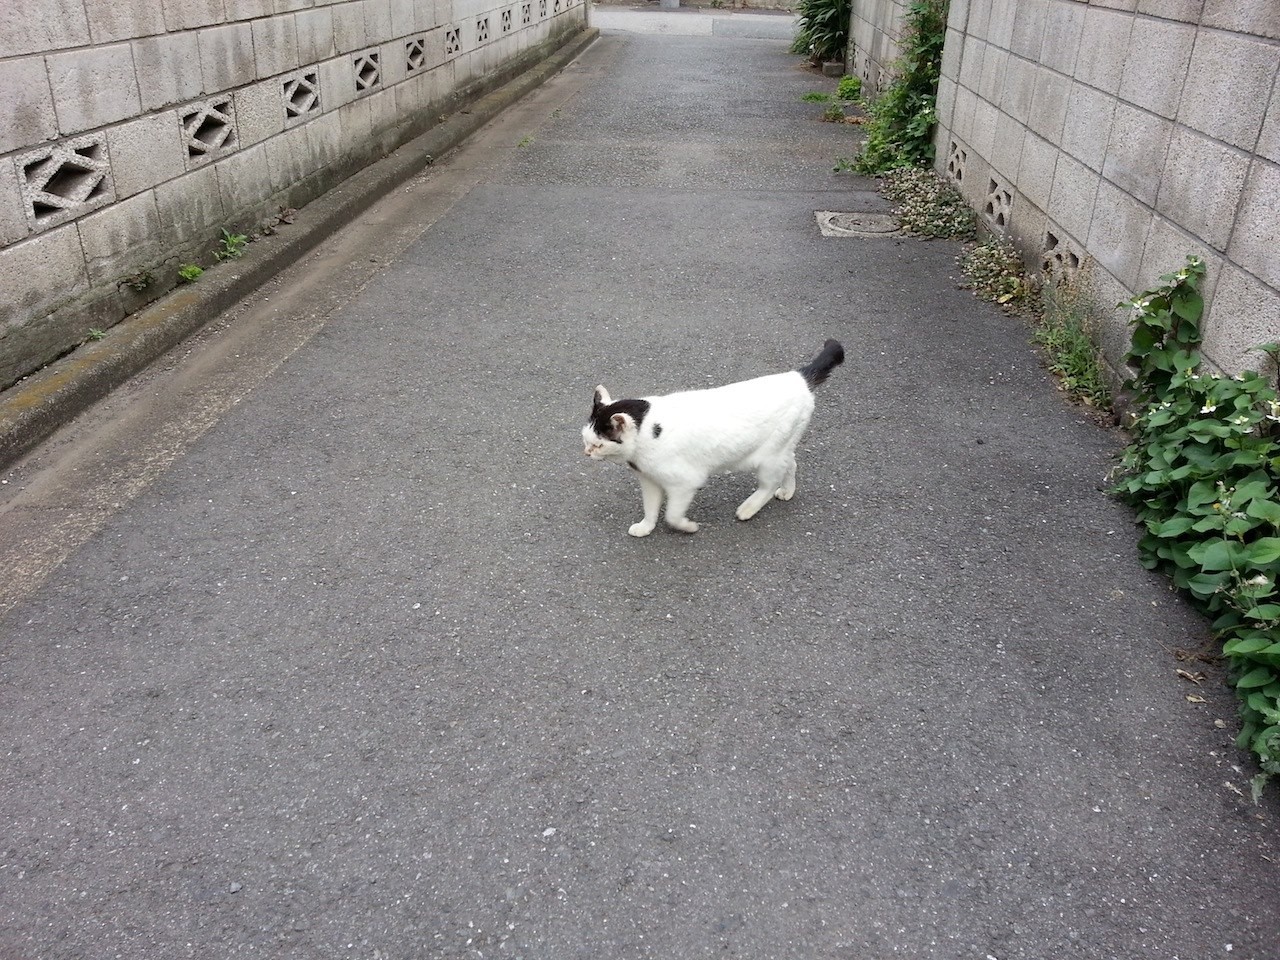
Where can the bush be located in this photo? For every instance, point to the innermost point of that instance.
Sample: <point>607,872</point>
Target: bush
<point>1202,475</point>
<point>824,30</point>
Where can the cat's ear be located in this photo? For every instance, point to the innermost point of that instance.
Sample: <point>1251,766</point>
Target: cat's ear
<point>602,397</point>
<point>619,423</point>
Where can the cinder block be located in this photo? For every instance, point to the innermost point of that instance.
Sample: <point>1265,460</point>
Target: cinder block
<point>945,104</point>
<point>226,56</point>
<point>1188,11</point>
<point>168,69</point>
<point>1257,233</point>
<point>404,18</point>
<point>393,63</point>
<point>289,158</point>
<point>248,9</point>
<point>300,98</point>
<point>1159,57</point>
<point>1166,250</point>
<point>958,15</point>
<point>1231,81</point>
<point>315,35</point>
<point>1049,107</point>
<point>999,27</point>
<point>324,137</point>
<point>275,45</point>
<point>978,23</point>
<point>189,206</point>
<point>121,238</point>
<point>41,26</point>
<point>13,217</point>
<point>1019,89</point>
<point>971,63</point>
<point>382,112</point>
<point>112,22</point>
<point>357,126</point>
<point>348,26</point>
<point>26,105</point>
<point>1035,172</point>
<point>260,111</point>
<point>377,21</point>
<point>1064,24</point>
<point>951,51</point>
<point>191,14</point>
<point>1100,61</point>
<point>1088,125</point>
<point>1200,185</point>
<point>1028,28</point>
<point>1269,139</point>
<point>1118,232</point>
<point>288,6</point>
<point>966,104</point>
<point>93,87</point>
<point>1071,202</point>
<point>65,180</point>
<point>994,63</point>
<point>433,50</point>
<point>1242,315</point>
<point>145,152</point>
<point>1006,154</point>
<point>337,83</point>
<point>1256,17</point>
<point>1136,152</point>
<point>244,181</point>
<point>985,117</point>
<point>41,272</point>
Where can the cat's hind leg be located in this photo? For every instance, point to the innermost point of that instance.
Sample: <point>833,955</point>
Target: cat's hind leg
<point>770,479</point>
<point>651,494</point>
<point>677,504</point>
<point>788,488</point>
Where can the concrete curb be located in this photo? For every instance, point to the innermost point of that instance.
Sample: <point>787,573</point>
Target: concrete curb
<point>32,409</point>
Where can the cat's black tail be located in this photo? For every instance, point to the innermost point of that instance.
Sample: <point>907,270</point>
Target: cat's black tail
<point>816,372</point>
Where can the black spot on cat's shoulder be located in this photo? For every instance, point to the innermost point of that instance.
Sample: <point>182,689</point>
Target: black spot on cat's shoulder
<point>657,430</point>
<point>632,465</point>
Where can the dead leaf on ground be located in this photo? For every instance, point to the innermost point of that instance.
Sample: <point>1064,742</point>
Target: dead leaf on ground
<point>1192,677</point>
<point>1192,698</point>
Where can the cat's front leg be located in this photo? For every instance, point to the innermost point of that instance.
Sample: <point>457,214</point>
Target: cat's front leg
<point>651,494</point>
<point>677,504</point>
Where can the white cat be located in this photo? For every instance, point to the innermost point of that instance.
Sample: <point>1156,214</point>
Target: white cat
<point>674,443</point>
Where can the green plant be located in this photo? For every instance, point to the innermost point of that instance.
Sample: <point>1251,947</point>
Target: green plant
<point>1201,473</point>
<point>231,246</point>
<point>815,97</point>
<point>900,131</point>
<point>927,205</point>
<point>994,271</point>
<point>139,281</point>
<point>823,34</point>
<point>525,141</point>
<point>850,87</point>
<point>95,334</point>
<point>833,114</point>
<point>1064,330</point>
<point>189,272</point>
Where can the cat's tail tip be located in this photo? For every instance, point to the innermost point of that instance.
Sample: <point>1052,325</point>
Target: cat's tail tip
<point>816,372</point>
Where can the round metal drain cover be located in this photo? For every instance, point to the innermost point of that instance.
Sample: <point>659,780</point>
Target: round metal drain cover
<point>834,224</point>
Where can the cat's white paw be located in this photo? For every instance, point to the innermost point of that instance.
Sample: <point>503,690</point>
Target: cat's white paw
<point>640,529</point>
<point>684,526</point>
<point>784,494</point>
<point>747,510</point>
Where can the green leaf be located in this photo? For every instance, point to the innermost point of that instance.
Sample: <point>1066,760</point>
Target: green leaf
<point>1264,611</point>
<point>1172,528</point>
<point>1257,677</point>
<point>1243,646</point>
<point>1216,554</point>
<point>1264,551</point>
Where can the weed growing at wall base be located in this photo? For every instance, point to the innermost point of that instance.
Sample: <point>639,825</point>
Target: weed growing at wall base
<point>1202,474</point>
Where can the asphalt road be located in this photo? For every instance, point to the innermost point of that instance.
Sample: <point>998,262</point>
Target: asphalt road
<point>324,639</point>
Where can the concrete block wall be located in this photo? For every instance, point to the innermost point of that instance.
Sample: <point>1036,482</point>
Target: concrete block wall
<point>1126,134</point>
<point>133,131</point>
<point>874,29</point>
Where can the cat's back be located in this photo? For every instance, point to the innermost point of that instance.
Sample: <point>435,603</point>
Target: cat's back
<point>753,398</point>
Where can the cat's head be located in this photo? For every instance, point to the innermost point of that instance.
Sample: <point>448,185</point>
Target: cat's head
<point>611,432</point>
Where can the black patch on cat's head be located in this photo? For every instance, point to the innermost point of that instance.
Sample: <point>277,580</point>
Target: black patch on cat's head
<point>657,430</point>
<point>602,416</point>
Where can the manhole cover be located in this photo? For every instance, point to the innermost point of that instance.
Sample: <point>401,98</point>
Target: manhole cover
<point>855,224</point>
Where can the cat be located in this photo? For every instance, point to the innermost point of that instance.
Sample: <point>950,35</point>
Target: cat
<point>674,443</point>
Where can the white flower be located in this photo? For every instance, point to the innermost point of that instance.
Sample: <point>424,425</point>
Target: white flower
<point>1261,580</point>
<point>1209,408</point>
